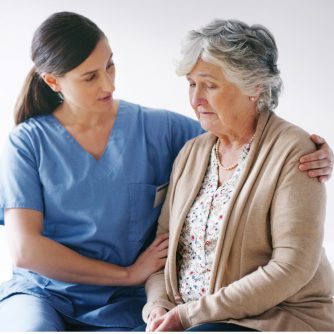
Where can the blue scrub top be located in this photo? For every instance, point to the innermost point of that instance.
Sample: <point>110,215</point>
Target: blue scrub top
<point>102,209</point>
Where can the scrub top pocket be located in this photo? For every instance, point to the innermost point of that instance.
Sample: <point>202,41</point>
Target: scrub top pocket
<point>143,215</point>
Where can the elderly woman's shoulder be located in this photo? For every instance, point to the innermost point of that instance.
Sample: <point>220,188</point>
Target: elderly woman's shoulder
<point>201,140</point>
<point>195,149</point>
<point>288,134</point>
<point>200,144</point>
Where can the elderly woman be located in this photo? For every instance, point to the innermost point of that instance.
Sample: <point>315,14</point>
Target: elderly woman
<point>245,226</point>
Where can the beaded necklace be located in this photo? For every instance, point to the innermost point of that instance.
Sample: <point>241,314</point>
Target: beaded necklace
<point>234,164</point>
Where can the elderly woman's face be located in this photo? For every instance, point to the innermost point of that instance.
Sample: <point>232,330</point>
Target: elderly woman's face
<point>219,104</point>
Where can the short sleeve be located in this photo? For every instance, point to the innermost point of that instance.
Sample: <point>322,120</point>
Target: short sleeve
<point>20,185</point>
<point>1,217</point>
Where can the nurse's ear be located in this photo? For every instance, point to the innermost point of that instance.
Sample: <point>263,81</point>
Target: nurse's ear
<point>52,81</point>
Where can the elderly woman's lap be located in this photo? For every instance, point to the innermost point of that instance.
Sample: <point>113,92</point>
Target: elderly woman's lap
<point>210,327</point>
<point>220,327</point>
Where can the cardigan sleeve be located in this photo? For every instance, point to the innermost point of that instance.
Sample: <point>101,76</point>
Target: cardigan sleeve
<point>296,221</point>
<point>155,286</point>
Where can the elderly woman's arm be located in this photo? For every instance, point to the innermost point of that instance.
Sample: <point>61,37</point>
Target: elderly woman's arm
<point>157,298</point>
<point>155,286</point>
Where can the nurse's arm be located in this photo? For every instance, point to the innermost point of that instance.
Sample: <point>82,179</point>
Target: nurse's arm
<point>33,251</point>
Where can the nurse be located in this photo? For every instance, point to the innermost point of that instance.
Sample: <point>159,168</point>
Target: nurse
<point>82,181</point>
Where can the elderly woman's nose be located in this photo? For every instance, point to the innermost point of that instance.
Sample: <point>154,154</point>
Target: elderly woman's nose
<point>198,98</point>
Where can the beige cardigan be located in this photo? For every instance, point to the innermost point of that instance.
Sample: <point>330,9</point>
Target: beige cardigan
<point>270,272</point>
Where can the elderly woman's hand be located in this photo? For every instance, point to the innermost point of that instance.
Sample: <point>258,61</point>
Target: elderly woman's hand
<point>319,163</point>
<point>168,322</point>
<point>156,313</point>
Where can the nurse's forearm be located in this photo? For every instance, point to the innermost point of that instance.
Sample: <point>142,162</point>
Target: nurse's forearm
<point>33,251</point>
<point>51,259</point>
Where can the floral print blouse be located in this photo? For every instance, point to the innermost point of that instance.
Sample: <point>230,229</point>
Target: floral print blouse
<point>201,228</point>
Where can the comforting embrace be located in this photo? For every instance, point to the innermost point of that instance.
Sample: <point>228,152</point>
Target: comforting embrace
<point>119,214</point>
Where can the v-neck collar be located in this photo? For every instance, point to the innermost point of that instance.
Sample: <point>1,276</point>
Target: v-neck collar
<point>113,134</point>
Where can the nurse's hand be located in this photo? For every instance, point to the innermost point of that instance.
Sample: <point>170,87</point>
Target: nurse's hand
<point>150,261</point>
<point>319,163</point>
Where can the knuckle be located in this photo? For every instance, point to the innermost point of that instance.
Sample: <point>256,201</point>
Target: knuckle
<point>306,165</point>
<point>323,155</point>
<point>154,322</point>
<point>324,171</point>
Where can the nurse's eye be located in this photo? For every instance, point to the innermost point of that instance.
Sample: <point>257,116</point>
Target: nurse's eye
<point>110,65</point>
<point>90,78</point>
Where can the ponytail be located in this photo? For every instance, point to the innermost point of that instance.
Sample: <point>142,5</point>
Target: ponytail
<point>57,47</point>
<point>36,98</point>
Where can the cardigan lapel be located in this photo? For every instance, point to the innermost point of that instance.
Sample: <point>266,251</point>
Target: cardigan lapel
<point>234,211</point>
<point>187,184</point>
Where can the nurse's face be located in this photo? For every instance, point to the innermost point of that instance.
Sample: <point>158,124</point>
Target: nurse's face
<point>89,87</point>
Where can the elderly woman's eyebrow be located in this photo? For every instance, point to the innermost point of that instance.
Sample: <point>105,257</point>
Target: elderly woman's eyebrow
<point>202,75</point>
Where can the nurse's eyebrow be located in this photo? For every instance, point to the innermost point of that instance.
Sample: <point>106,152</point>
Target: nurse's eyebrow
<point>94,71</point>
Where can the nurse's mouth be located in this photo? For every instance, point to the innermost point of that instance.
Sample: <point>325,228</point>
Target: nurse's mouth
<point>106,98</point>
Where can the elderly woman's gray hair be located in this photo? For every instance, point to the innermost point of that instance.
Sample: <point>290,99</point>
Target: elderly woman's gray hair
<point>247,55</point>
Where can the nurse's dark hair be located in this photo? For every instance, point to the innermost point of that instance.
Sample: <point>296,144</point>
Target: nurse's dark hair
<point>61,43</point>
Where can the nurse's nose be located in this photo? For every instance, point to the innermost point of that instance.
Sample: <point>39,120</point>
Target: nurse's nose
<point>107,82</point>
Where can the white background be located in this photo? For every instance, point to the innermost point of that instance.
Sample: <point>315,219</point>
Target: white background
<point>145,37</point>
